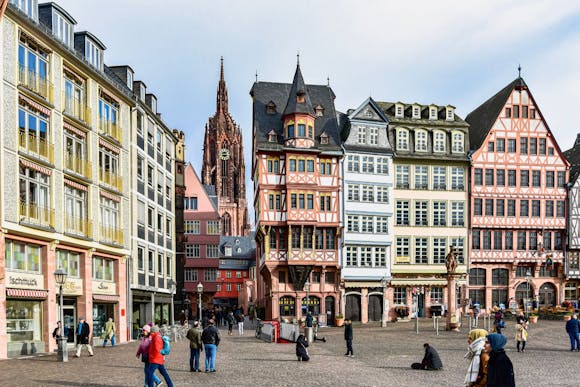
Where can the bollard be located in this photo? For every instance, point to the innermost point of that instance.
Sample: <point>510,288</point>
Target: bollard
<point>437,325</point>
<point>309,333</point>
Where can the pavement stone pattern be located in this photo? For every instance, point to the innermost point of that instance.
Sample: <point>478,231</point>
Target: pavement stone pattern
<point>382,358</point>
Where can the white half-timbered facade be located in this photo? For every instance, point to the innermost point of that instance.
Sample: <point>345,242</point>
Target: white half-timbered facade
<point>572,266</point>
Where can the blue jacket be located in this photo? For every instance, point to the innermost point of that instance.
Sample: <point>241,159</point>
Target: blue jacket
<point>573,326</point>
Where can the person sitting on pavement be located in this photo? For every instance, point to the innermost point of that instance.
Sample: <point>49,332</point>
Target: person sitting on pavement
<point>301,350</point>
<point>431,360</point>
<point>573,329</point>
<point>500,370</point>
<point>477,357</point>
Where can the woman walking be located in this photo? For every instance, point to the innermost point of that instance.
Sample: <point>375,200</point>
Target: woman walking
<point>109,333</point>
<point>477,358</point>
<point>143,351</point>
<point>500,371</point>
<point>521,334</point>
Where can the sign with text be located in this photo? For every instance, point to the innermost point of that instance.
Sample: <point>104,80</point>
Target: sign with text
<point>104,287</point>
<point>72,287</point>
<point>24,280</point>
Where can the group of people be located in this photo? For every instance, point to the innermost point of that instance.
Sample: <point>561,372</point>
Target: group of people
<point>83,335</point>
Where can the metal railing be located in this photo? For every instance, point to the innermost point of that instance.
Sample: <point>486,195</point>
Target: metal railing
<point>111,129</point>
<point>111,179</point>
<point>78,165</point>
<point>77,225</point>
<point>35,214</point>
<point>37,146</point>
<point>111,234</point>
<point>35,82</point>
<point>77,109</point>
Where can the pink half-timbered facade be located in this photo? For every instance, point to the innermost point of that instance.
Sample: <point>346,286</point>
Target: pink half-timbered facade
<point>518,202</point>
<point>297,183</point>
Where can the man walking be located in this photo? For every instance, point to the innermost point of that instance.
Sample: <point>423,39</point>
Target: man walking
<point>211,339</point>
<point>83,337</point>
<point>156,359</point>
<point>573,329</point>
<point>110,331</point>
<point>195,347</point>
<point>348,337</point>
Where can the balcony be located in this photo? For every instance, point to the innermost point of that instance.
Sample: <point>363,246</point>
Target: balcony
<point>36,215</point>
<point>35,82</point>
<point>78,226</point>
<point>77,165</point>
<point>77,108</point>
<point>110,129</point>
<point>112,235</point>
<point>36,146</point>
<point>111,179</point>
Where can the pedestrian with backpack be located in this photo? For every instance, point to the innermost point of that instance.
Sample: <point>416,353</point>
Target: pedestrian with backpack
<point>211,339</point>
<point>157,349</point>
<point>143,351</point>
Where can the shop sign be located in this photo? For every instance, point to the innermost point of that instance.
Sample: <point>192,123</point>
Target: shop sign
<point>24,280</point>
<point>72,287</point>
<point>102,287</point>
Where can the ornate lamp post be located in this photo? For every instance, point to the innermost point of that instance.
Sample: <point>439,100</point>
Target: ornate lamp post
<point>186,302</point>
<point>384,316</point>
<point>307,288</point>
<point>526,302</point>
<point>171,284</point>
<point>60,278</point>
<point>199,293</point>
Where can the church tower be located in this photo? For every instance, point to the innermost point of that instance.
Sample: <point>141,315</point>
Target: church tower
<point>223,164</point>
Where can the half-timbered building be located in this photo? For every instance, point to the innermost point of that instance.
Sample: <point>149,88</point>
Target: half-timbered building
<point>572,267</point>
<point>518,202</point>
<point>296,173</point>
<point>367,214</point>
<point>430,203</point>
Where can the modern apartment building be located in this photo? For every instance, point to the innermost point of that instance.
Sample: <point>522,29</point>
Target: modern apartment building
<point>431,166</point>
<point>296,174</point>
<point>518,202</point>
<point>367,212</point>
<point>63,201</point>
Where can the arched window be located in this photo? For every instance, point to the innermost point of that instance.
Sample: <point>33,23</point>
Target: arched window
<point>227,224</point>
<point>439,141</point>
<point>225,161</point>
<point>421,141</point>
<point>402,139</point>
<point>287,306</point>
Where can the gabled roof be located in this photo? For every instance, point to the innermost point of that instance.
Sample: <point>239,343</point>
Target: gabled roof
<point>573,156</point>
<point>193,186</point>
<point>242,247</point>
<point>482,118</point>
<point>352,117</point>
<point>298,88</point>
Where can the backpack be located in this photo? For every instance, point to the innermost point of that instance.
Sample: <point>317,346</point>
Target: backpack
<point>166,345</point>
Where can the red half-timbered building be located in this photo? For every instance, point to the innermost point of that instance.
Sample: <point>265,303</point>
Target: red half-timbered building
<point>297,187</point>
<point>518,202</point>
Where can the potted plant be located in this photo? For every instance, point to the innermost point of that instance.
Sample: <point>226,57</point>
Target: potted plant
<point>339,320</point>
<point>533,318</point>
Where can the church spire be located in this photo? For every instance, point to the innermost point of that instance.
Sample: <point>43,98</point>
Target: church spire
<point>222,94</point>
<point>298,100</point>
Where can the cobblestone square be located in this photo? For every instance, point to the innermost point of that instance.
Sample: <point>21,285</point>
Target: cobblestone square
<point>382,358</point>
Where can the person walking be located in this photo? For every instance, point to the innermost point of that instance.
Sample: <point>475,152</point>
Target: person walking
<point>521,334</point>
<point>211,339</point>
<point>230,320</point>
<point>195,347</point>
<point>498,322</point>
<point>83,337</point>
<point>143,352</point>
<point>500,371</point>
<point>477,357</point>
<point>348,337</point>
<point>573,329</point>
<point>241,319</point>
<point>58,331</point>
<point>109,332</point>
<point>156,359</point>
<point>301,348</point>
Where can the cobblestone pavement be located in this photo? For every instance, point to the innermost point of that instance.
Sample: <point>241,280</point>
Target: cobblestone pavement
<point>382,358</point>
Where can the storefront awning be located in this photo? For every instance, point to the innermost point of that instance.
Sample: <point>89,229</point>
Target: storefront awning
<point>362,284</point>
<point>418,282</point>
<point>106,297</point>
<point>26,293</point>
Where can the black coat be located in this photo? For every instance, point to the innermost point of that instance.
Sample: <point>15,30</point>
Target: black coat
<point>500,371</point>
<point>431,361</point>
<point>301,344</point>
<point>573,326</point>
<point>348,331</point>
<point>83,337</point>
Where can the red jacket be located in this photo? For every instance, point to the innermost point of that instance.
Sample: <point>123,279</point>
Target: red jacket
<point>155,348</point>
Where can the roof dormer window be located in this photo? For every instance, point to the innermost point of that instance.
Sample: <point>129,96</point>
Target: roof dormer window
<point>271,108</point>
<point>301,97</point>
<point>416,112</point>
<point>324,138</point>
<point>458,143</point>
<point>28,7</point>
<point>129,79</point>
<point>62,29</point>
<point>421,141</point>
<point>433,113</point>
<point>272,136</point>
<point>449,115</point>
<point>319,111</point>
<point>402,139</point>
<point>439,141</point>
<point>228,251</point>
<point>93,54</point>
<point>142,91</point>
<point>399,111</point>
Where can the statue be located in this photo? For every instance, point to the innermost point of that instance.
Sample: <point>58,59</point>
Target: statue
<point>451,261</point>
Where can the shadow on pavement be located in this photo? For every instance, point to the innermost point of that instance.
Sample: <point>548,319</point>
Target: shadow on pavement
<point>63,383</point>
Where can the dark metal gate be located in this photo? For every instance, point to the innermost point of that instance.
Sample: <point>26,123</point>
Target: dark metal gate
<point>352,307</point>
<point>375,307</point>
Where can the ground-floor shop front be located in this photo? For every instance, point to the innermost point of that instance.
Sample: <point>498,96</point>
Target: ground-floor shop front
<point>365,301</point>
<point>149,307</point>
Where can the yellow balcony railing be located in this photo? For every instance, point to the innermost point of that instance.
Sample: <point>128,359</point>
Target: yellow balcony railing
<point>36,145</point>
<point>35,214</point>
<point>35,82</point>
<point>78,165</point>
<point>111,235</point>
<point>111,179</point>
<point>77,108</point>
<point>110,128</point>
<point>79,226</point>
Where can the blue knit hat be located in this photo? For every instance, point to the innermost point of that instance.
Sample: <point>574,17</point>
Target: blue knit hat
<point>496,341</point>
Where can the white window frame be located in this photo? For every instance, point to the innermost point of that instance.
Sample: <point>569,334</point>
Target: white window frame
<point>420,140</point>
<point>458,142</point>
<point>402,139</point>
<point>439,139</point>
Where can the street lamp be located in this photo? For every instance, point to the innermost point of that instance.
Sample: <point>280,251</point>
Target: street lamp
<point>384,316</point>
<point>199,292</point>
<point>186,302</point>
<point>60,278</point>
<point>171,284</point>
<point>526,306</point>
<point>307,288</point>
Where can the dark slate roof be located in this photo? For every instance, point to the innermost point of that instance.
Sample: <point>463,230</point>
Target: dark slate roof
<point>298,88</point>
<point>482,118</point>
<point>345,127</point>
<point>573,156</point>
<point>211,193</point>
<point>264,92</point>
<point>389,109</point>
<point>245,245</point>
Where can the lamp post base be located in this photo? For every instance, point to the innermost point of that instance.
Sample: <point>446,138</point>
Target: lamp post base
<point>62,354</point>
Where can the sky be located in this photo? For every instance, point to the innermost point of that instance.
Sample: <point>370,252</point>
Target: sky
<point>443,52</point>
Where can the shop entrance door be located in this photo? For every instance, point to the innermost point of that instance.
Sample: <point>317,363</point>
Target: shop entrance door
<point>69,323</point>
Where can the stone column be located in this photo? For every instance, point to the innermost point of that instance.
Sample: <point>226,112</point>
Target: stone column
<point>51,306</point>
<point>121,314</point>
<point>452,323</point>
<point>364,306</point>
